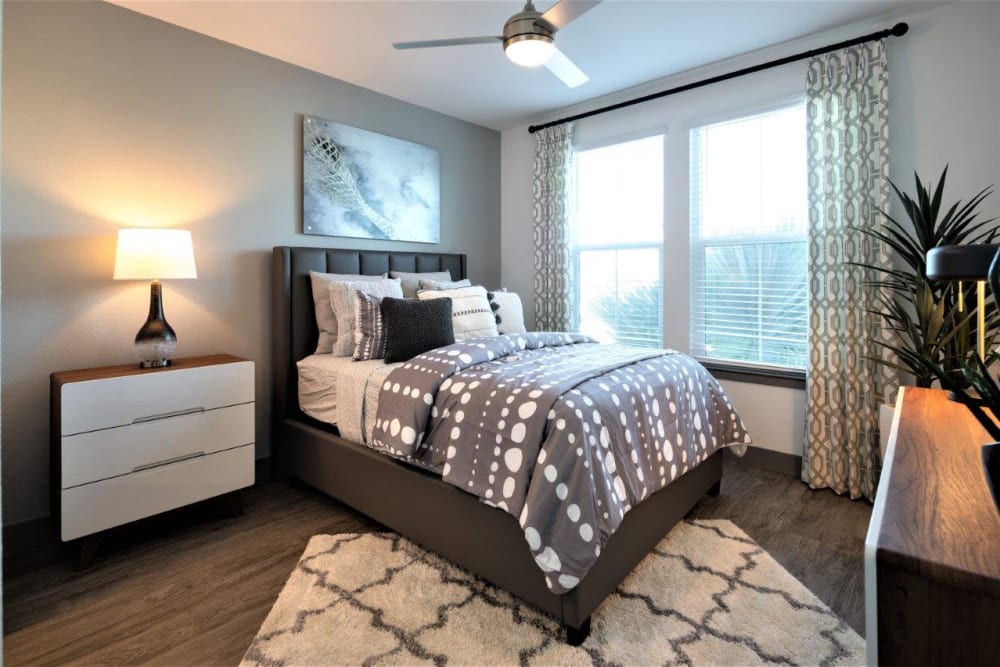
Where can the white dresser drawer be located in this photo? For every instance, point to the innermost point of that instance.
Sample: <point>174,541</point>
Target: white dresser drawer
<point>94,507</point>
<point>118,401</point>
<point>96,455</point>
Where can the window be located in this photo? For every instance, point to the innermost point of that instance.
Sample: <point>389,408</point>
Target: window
<point>748,240</point>
<point>619,242</point>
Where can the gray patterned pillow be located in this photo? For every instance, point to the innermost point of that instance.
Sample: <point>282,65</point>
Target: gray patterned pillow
<point>342,303</point>
<point>369,331</point>
<point>326,322</point>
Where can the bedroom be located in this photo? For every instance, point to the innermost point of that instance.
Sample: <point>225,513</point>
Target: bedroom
<point>114,119</point>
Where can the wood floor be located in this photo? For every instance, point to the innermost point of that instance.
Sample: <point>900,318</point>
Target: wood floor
<point>192,587</point>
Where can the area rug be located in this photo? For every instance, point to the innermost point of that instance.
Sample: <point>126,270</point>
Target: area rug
<point>706,595</point>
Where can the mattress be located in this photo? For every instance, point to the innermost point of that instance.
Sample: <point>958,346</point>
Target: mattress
<point>342,392</point>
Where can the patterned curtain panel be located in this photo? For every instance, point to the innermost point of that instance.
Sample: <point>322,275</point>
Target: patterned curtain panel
<point>553,174</point>
<point>848,144</point>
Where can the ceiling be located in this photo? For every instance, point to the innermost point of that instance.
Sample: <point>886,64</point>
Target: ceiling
<point>619,44</point>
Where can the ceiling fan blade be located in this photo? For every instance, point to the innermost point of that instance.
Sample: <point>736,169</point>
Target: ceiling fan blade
<point>564,68</point>
<point>447,42</point>
<point>564,11</point>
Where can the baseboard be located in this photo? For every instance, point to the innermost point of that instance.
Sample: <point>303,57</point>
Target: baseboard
<point>767,459</point>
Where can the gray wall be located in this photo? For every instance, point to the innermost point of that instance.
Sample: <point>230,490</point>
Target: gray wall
<point>114,119</point>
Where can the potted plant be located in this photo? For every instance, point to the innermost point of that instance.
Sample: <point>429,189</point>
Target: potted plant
<point>925,314</point>
<point>931,320</point>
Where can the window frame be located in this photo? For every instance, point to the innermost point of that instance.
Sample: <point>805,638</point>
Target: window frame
<point>760,373</point>
<point>576,248</point>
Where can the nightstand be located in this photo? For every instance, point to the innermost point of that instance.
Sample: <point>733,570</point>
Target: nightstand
<point>128,443</point>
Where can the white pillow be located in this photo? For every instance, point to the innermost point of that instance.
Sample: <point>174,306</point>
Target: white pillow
<point>411,281</point>
<point>341,299</point>
<point>470,311</point>
<point>325,320</point>
<point>445,284</point>
<point>509,311</point>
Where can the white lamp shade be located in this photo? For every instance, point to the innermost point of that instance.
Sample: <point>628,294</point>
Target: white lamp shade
<point>530,51</point>
<point>154,254</point>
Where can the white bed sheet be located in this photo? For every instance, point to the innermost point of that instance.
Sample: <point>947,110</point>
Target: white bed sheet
<point>342,392</point>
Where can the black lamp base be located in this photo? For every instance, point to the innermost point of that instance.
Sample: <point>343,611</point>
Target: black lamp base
<point>156,341</point>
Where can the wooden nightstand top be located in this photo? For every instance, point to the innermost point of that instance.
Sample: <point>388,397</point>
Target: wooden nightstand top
<point>85,374</point>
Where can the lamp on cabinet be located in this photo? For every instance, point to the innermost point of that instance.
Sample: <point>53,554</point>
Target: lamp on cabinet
<point>154,254</point>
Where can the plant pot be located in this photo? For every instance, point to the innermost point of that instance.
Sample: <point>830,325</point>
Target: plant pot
<point>885,414</point>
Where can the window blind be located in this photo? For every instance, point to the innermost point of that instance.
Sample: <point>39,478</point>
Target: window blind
<point>749,301</point>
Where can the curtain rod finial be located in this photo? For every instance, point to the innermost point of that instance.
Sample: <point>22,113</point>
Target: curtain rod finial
<point>900,29</point>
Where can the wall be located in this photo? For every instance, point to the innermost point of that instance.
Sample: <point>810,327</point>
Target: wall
<point>115,119</point>
<point>944,102</point>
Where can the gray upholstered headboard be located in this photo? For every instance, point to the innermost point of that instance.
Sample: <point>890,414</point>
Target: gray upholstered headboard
<point>295,332</point>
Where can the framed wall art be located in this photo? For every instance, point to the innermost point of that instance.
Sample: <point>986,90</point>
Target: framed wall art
<point>362,184</point>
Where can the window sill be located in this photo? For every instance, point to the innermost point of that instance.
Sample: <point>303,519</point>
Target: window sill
<point>774,377</point>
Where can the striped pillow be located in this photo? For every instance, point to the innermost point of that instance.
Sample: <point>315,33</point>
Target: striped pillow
<point>471,311</point>
<point>369,333</point>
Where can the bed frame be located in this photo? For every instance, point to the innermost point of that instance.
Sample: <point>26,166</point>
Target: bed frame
<point>418,504</point>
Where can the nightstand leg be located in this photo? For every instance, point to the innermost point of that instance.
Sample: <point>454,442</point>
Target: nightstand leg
<point>89,546</point>
<point>234,503</point>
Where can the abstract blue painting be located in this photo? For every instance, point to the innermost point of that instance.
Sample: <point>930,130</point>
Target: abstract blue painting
<point>362,184</point>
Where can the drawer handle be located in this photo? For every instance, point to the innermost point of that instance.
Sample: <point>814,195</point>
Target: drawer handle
<point>165,415</point>
<point>176,459</point>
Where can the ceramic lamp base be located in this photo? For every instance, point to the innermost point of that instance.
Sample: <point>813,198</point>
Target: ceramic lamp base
<point>156,341</point>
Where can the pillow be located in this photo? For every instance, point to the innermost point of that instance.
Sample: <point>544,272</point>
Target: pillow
<point>470,310</point>
<point>444,284</point>
<point>411,281</point>
<point>325,320</point>
<point>414,327</point>
<point>342,302</point>
<point>369,332</point>
<point>508,310</point>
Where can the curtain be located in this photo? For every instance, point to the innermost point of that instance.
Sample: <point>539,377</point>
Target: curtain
<point>848,162</point>
<point>552,190</point>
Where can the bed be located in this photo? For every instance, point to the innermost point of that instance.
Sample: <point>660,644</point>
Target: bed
<point>418,503</point>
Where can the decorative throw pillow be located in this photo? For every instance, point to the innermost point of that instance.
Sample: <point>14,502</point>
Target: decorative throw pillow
<point>411,281</point>
<point>444,284</point>
<point>470,310</point>
<point>342,302</point>
<point>369,332</point>
<point>325,320</point>
<point>508,310</point>
<point>414,327</point>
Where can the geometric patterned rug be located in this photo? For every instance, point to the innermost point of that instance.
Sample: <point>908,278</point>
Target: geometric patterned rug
<point>706,595</point>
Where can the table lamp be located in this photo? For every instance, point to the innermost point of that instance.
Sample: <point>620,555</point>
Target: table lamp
<point>154,254</point>
<point>965,262</point>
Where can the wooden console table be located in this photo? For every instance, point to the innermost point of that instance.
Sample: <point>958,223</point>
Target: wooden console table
<point>932,555</point>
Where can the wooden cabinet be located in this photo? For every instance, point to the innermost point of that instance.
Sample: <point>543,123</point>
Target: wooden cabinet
<point>128,443</point>
<point>932,555</point>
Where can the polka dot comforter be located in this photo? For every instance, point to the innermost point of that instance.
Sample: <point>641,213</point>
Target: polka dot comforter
<point>563,433</point>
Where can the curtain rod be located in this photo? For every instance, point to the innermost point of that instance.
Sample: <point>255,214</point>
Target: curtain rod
<point>897,30</point>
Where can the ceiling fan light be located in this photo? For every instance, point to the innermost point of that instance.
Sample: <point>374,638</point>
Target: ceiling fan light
<point>529,50</point>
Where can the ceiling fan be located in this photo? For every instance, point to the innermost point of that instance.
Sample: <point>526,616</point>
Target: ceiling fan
<point>528,39</point>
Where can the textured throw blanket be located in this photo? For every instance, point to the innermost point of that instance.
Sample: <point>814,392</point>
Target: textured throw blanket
<point>565,434</point>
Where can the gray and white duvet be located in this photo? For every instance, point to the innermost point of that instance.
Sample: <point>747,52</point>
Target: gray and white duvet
<point>563,433</point>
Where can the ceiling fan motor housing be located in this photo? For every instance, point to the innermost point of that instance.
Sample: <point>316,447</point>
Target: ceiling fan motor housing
<point>526,25</point>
